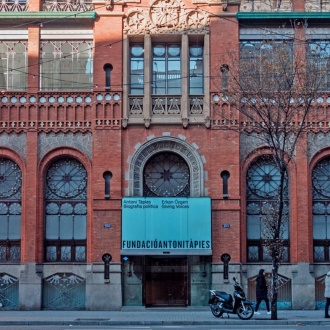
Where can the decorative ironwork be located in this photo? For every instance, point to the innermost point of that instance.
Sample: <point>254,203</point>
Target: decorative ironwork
<point>166,105</point>
<point>8,291</point>
<point>66,211</point>
<point>64,291</point>
<point>196,105</point>
<point>166,174</point>
<point>10,179</point>
<point>13,5</point>
<point>67,178</point>
<point>263,179</point>
<point>70,5</point>
<point>321,179</point>
<point>136,105</point>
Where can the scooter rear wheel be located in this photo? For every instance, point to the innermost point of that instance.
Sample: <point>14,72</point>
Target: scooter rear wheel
<point>216,311</point>
<point>246,312</point>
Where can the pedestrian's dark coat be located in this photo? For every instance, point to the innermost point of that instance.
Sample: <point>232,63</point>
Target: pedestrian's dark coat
<point>261,289</point>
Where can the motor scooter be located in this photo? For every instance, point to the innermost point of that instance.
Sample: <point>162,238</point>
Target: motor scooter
<point>222,302</point>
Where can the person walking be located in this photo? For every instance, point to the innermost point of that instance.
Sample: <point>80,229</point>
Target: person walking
<point>261,291</point>
<point>327,294</point>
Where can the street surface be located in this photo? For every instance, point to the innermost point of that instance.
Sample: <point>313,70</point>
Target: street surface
<point>167,327</point>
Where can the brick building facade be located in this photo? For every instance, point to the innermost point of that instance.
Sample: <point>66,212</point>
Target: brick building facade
<point>103,102</point>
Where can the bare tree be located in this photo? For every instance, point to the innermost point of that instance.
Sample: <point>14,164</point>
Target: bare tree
<point>274,88</point>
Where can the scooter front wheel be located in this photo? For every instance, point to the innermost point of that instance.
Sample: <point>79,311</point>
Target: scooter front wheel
<point>245,312</point>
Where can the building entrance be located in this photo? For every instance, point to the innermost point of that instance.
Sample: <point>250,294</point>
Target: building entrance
<point>166,281</point>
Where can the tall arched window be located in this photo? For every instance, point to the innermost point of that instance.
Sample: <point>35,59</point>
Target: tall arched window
<point>10,211</point>
<point>66,211</point>
<point>166,174</point>
<point>321,210</point>
<point>263,179</point>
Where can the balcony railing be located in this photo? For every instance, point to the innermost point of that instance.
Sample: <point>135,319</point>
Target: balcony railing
<point>16,5</point>
<point>69,5</point>
<point>55,111</point>
<point>166,105</point>
<point>224,114</point>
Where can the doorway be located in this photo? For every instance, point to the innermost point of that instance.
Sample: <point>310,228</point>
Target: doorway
<point>166,281</point>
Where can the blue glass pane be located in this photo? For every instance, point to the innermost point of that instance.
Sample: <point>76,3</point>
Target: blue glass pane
<point>66,226</point>
<point>14,227</point>
<point>52,227</point>
<point>3,227</point>
<point>319,227</point>
<point>253,227</point>
<point>80,227</point>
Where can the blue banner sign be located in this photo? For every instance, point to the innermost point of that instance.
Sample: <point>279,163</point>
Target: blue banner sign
<point>166,226</point>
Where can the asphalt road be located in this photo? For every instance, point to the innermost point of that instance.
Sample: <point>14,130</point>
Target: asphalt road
<point>166,327</point>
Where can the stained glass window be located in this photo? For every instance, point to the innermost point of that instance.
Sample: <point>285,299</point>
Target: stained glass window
<point>66,211</point>
<point>10,211</point>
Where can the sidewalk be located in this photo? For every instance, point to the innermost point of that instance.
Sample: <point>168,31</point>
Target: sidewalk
<point>156,316</point>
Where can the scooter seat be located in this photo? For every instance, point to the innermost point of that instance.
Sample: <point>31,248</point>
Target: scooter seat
<point>227,297</point>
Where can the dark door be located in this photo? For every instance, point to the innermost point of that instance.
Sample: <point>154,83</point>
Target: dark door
<point>166,281</point>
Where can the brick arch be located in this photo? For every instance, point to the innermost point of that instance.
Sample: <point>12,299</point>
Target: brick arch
<point>58,153</point>
<point>324,153</point>
<point>259,152</point>
<point>163,144</point>
<point>44,164</point>
<point>14,156</point>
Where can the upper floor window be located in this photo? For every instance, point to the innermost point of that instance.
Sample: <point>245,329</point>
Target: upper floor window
<point>318,62</point>
<point>13,65</point>
<point>10,211</point>
<point>166,69</point>
<point>166,79</point>
<point>66,65</point>
<point>196,70</point>
<point>136,69</point>
<point>266,63</point>
<point>66,211</point>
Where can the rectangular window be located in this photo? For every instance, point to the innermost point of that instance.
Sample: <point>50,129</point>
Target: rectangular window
<point>136,81</point>
<point>66,65</point>
<point>166,69</point>
<point>257,231</point>
<point>196,70</point>
<point>318,64</point>
<point>10,232</point>
<point>65,233</point>
<point>266,63</point>
<point>13,65</point>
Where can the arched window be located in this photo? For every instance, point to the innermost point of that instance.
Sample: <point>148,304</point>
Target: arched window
<point>321,210</point>
<point>166,174</point>
<point>263,179</point>
<point>66,211</point>
<point>10,211</point>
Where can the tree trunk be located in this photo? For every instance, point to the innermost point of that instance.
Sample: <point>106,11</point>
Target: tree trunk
<point>273,307</point>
